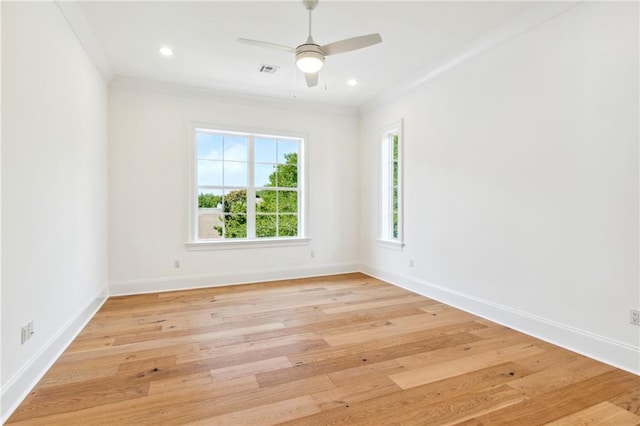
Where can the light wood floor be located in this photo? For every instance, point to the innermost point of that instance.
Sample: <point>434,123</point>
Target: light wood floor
<point>345,349</point>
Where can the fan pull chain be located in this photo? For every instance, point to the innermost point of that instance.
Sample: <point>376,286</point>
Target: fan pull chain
<point>324,75</point>
<point>295,80</point>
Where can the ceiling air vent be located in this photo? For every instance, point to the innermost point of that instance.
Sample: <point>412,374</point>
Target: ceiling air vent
<point>268,69</point>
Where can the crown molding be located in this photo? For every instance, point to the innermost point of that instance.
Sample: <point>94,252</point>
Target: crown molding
<point>172,89</point>
<point>75,17</point>
<point>521,24</point>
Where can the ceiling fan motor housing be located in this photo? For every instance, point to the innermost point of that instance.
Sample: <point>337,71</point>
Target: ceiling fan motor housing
<point>309,50</point>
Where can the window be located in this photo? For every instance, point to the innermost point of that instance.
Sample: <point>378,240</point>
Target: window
<point>391,187</point>
<point>247,186</point>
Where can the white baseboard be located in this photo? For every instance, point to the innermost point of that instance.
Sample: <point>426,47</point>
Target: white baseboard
<point>19,386</point>
<point>120,288</point>
<point>617,354</point>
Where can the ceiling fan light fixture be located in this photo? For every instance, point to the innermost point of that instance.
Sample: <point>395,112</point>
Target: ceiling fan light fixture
<point>309,60</point>
<point>309,64</point>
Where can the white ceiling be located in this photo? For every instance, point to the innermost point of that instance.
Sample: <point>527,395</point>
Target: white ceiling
<point>416,35</point>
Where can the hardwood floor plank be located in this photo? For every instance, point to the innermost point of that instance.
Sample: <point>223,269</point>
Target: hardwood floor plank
<point>599,414</point>
<point>354,392</point>
<point>372,305</point>
<point>243,345</point>
<point>213,331</point>
<point>158,387</point>
<point>439,371</point>
<point>114,357</point>
<point>345,349</point>
<point>453,353</point>
<point>74,374</point>
<point>266,415</point>
<point>254,351</point>
<point>553,405</point>
<point>630,401</point>
<point>365,372</point>
<point>557,377</point>
<point>382,343</point>
<point>389,329</point>
<point>250,368</point>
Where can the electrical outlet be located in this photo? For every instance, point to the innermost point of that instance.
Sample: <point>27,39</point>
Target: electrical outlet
<point>27,331</point>
<point>25,335</point>
<point>176,264</point>
<point>312,253</point>
<point>410,263</point>
<point>634,316</point>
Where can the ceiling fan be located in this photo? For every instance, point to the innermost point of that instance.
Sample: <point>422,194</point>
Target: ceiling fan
<point>310,55</point>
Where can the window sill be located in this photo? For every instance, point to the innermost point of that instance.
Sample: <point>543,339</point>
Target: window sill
<point>246,244</point>
<point>394,245</point>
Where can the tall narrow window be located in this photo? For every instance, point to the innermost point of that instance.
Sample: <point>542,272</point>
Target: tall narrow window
<point>248,186</point>
<point>391,186</point>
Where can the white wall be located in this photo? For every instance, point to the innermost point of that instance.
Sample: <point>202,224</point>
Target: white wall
<point>149,189</point>
<point>521,179</point>
<point>54,138</point>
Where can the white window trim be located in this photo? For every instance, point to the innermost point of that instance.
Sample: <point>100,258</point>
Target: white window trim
<point>393,245</point>
<point>194,244</point>
<point>385,238</point>
<point>247,243</point>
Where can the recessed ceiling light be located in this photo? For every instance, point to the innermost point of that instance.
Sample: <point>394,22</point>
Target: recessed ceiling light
<point>352,82</point>
<point>165,51</point>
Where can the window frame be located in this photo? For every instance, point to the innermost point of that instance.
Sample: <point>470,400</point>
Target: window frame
<point>193,242</point>
<point>386,188</point>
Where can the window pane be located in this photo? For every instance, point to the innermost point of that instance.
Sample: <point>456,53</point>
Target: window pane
<point>235,226</point>
<point>209,214</point>
<point>395,213</point>
<point>395,225</point>
<point>265,175</point>
<point>395,173</point>
<point>209,172</point>
<point>209,146</point>
<point>209,198</point>
<point>266,201</point>
<point>266,226</point>
<point>265,150</point>
<point>209,224</point>
<point>287,175</point>
<point>287,202</point>
<point>235,148</point>
<point>235,173</point>
<point>395,147</point>
<point>287,225</point>
<point>235,201</point>
<point>395,200</point>
<point>287,152</point>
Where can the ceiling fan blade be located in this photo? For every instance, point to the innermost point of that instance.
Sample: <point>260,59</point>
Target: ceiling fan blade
<point>351,44</point>
<point>267,44</point>
<point>312,79</point>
